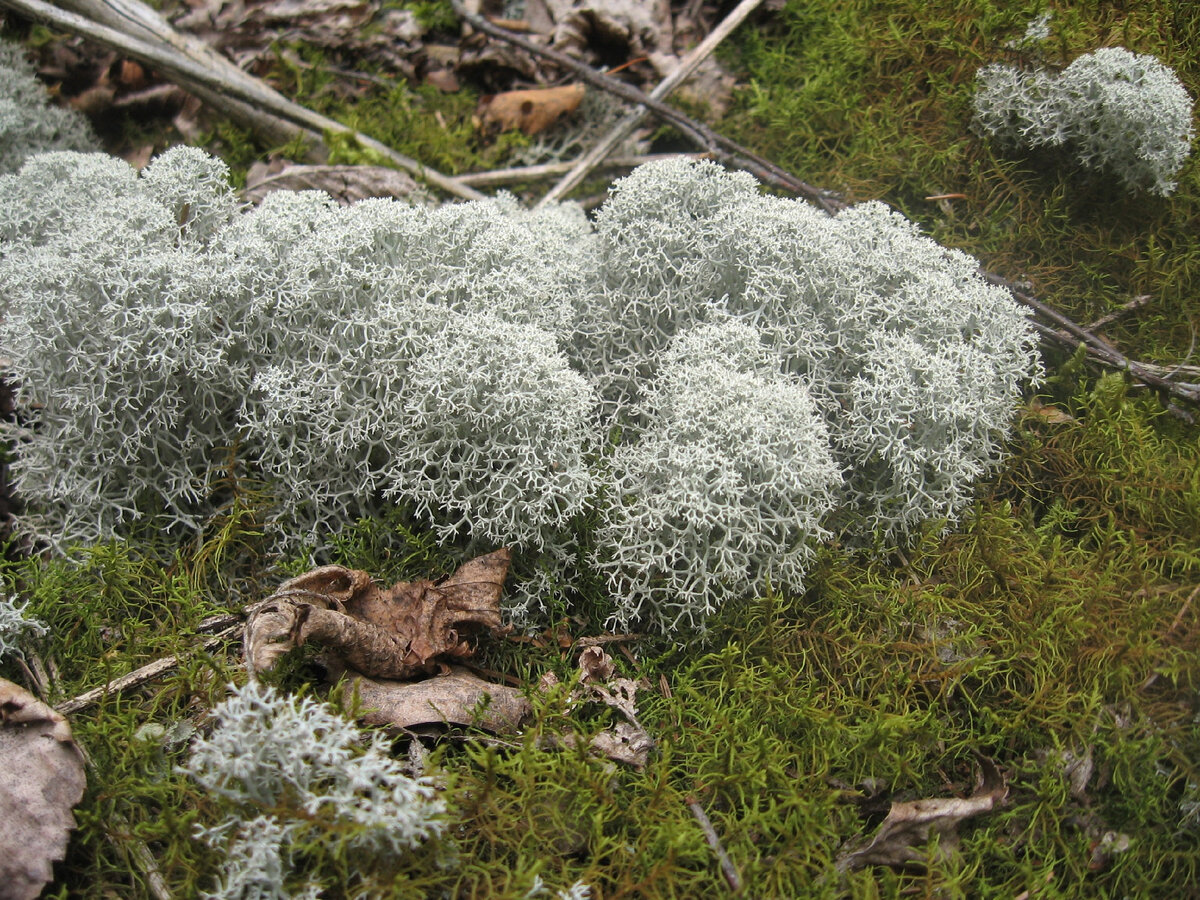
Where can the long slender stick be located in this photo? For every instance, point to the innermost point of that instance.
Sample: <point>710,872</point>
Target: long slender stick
<point>497,177</point>
<point>700,134</point>
<point>1135,304</point>
<point>246,89</point>
<point>148,672</point>
<point>1099,347</point>
<point>728,869</point>
<point>631,119</point>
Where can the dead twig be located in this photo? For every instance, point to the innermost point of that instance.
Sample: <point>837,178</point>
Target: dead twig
<point>700,134</point>
<point>1135,304</point>
<point>498,177</point>
<point>1071,335</point>
<point>728,869</point>
<point>1178,620</point>
<point>146,673</point>
<point>631,119</point>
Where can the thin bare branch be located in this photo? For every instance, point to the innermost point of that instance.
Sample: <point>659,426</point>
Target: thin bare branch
<point>728,869</point>
<point>137,677</point>
<point>1135,304</point>
<point>1070,334</point>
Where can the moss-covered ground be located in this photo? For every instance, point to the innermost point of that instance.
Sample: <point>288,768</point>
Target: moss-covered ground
<point>1055,630</point>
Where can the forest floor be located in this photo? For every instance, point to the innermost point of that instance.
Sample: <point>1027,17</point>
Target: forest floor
<point>1043,653</point>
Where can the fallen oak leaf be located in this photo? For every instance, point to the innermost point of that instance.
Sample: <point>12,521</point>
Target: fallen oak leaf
<point>532,111</point>
<point>903,836</point>
<point>41,780</point>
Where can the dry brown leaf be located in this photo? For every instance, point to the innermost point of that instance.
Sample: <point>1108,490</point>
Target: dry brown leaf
<point>457,698</point>
<point>41,780</point>
<point>399,632</point>
<point>596,665</point>
<point>1050,414</point>
<point>443,79</point>
<point>532,111</point>
<point>625,743</point>
<point>903,836</point>
<point>345,184</point>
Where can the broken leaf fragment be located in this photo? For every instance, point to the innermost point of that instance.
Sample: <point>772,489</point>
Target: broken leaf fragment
<point>903,837</point>
<point>532,111</point>
<point>41,780</point>
<point>625,742</point>
<point>397,633</point>
<point>456,698</point>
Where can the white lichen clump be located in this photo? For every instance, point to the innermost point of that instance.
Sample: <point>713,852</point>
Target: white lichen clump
<point>708,379</point>
<point>1114,110</point>
<point>319,780</point>
<point>729,483</point>
<point>14,626</point>
<point>29,123</point>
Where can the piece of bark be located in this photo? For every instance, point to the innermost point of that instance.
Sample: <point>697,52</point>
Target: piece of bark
<point>41,780</point>
<point>457,698</point>
<point>345,184</point>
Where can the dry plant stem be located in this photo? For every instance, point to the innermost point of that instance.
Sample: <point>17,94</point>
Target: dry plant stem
<point>1178,620</point>
<point>700,134</point>
<point>728,869</point>
<point>148,864</point>
<point>166,57</point>
<point>498,177</point>
<point>1135,304</point>
<point>631,119</point>
<point>146,673</point>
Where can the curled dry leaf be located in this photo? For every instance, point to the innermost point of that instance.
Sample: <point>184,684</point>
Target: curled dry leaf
<point>396,633</point>
<point>532,111</point>
<point>903,836</point>
<point>41,780</point>
<point>456,698</point>
<point>596,665</point>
